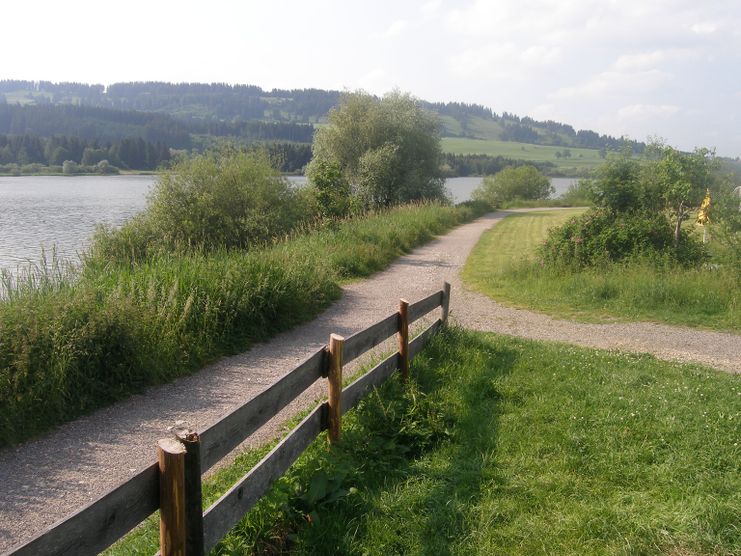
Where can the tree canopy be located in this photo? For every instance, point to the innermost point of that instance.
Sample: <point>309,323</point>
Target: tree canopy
<point>387,149</point>
<point>666,180</point>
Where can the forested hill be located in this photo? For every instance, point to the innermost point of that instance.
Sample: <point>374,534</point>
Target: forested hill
<point>243,111</point>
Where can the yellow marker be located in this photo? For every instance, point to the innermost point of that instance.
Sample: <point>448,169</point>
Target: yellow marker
<point>703,215</point>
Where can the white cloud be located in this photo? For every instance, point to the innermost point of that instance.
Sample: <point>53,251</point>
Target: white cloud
<point>432,8</point>
<point>541,55</point>
<point>488,60</point>
<point>643,60</point>
<point>396,28</point>
<point>611,83</point>
<point>375,81</point>
<point>503,60</point>
<point>641,111</point>
<point>704,28</point>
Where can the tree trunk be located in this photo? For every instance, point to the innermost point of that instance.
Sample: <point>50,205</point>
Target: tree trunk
<point>678,227</point>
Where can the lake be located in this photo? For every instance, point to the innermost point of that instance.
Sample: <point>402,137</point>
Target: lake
<point>46,212</point>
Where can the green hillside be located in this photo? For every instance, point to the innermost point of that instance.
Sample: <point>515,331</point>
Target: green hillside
<point>208,106</point>
<point>571,159</point>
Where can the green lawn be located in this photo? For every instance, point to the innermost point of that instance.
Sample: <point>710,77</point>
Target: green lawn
<point>580,159</point>
<point>507,446</point>
<point>502,266</point>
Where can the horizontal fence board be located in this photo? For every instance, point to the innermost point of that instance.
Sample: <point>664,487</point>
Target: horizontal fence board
<point>416,345</point>
<point>420,308</point>
<point>232,506</point>
<point>228,433</point>
<point>98,525</point>
<point>357,344</point>
<point>372,379</point>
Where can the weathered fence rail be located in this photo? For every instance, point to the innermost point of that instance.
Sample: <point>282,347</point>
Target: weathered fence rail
<point>173,484</point>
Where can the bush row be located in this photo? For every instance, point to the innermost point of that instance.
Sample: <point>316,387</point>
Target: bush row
<point>601,236</point>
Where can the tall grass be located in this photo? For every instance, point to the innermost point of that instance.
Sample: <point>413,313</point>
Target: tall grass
<point>70,346</point>
<point>639,290</point>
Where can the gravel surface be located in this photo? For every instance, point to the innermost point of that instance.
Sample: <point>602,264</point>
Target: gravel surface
<point>46,479</point>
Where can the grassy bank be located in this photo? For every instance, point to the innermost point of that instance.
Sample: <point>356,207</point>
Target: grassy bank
<point>502,266</point>
<point>70,345</point>
<point>506,446</point>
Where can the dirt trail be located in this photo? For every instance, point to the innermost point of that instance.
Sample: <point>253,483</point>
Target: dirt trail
<point>46,479</point>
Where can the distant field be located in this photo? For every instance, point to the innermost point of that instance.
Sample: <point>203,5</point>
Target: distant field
<point>579,159</point>
<point>21,97</point>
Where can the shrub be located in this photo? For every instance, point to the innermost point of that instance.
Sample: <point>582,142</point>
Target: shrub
<point>600,236</point>
<point>523,182</point>
<point>725,227</point>
<point>579,193</point>
<point>330,187</point>
<point>618,186</point>
<point>214,201</point>
<point>70,167</point>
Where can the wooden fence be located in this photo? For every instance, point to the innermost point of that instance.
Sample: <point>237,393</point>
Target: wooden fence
<point>172,484</point>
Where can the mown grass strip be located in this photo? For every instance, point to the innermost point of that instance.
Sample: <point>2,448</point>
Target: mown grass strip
<point>503,265</point>
<point>72,346</point>
<point>505,446</point>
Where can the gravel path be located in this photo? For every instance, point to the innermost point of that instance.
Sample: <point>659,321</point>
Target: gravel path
<point>45,479</point>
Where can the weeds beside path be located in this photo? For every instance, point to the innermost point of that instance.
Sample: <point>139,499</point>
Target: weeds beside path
<point>46,479</point>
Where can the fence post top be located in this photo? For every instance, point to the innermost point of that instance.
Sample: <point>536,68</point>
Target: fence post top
<point>183,431</point>
<point>171,445</point>
<point>336,337</point>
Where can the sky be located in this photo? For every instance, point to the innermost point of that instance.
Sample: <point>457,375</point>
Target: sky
<point>642,68</point>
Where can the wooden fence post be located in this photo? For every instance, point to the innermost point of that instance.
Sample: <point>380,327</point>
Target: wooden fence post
<point>336,345</point>
<point>193,491</point>
<point>171,458</point>
<point>403,335</point>
<point>446,301</point>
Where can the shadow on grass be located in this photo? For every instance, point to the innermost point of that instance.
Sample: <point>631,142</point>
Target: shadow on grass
<point>469,458</point>
<point>412,461</point>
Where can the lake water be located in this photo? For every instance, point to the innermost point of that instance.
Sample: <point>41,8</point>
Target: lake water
<point>62,212</point>
<point>462,188</point>
<point>45,212</point>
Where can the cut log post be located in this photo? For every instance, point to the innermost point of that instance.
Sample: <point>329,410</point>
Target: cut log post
<point>171,458</point>
<point>404,339</point>
<point>193,491</point>
<point>336,345</point>
<point>446,301</point>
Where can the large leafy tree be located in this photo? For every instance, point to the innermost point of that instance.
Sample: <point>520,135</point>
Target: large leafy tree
<point>387,149</point>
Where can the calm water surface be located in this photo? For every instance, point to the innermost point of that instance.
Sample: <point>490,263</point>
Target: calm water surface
<point>46,212</point>
<point>62,212</point>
